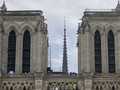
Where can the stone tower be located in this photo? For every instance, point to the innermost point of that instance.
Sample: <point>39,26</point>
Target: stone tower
<point>99,49</point>
<point>23,47</point>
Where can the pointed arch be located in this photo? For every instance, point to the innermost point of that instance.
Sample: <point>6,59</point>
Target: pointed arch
<point>96,27</point>
<point>11,51</point>
<point>112,28</point>
<point>97,50</point>
<point>111,52</point>
<point>11,26</point>
<point>26,52</point>
<point>27,26</point>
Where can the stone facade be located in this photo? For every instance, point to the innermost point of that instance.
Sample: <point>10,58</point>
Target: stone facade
<point>39,78</point>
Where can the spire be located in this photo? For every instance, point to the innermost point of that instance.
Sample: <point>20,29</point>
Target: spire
<point>4,8</point>
<point>118,6</point>
<point>65,66</point>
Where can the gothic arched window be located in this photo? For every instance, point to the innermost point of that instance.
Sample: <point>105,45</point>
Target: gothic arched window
<point>11,52</point>
<point>26,52</point>
<point>97,50</point>
<point>111,52</point>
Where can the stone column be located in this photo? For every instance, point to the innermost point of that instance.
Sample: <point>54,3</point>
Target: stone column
<point>4,53</point>
<point>79,54</point>
<point>88,84</point>
<point>45,53</point>
<point>117,69</point>
<point>18,68</point>
<point>32,53</point>
<point>0,56</point>
<point>92,52</point>
<point>87,57</point>
<point>38,83</point>
<point>104,53</point>
<point>39,52</point>
<point>21,53</point>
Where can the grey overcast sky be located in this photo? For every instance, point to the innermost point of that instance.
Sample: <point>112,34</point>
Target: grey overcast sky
<point>54,11</point>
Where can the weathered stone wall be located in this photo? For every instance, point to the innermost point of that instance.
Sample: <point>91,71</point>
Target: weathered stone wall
<point>38,47</point>
<point>86,61</point>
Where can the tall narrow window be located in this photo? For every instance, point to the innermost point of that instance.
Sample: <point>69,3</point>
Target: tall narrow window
<point>111,52</point>
<point>11,52</point>
<point>97,49</point>
<point>26,52</point>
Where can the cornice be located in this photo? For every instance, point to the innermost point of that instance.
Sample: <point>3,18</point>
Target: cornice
<point>104,19</point>
<point>22,18</point>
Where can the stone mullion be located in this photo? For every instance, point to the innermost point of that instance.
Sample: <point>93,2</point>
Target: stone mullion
<point>116,53</point>
<point>104,53</point>
<point>5,53</point>
<point>18,54</point>
<point>32,53</point>
<point>21,53</point>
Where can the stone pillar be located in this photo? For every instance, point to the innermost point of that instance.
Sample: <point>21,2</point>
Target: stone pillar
<point>44,52</point>
<point>38,83</point>
<point>84,52</point>
<point>118,49</point>
<point>33,53</point>
<point>92,52</point>
<point>116,53</point>
<point>4,53</point>
<point>88,84</point>
<point>87,57</point>
<point>104,53</point>
<point>118,63</point>
<point>21,53</point>
<point>39,52</point>
<point>0,56</point>
<point>79,54</point>
<point>18,64</point>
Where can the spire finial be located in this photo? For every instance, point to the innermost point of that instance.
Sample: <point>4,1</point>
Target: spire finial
<point>64,22</point>
<point>65,26</point>
<point>65,66</point>
<point>3,8</point>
